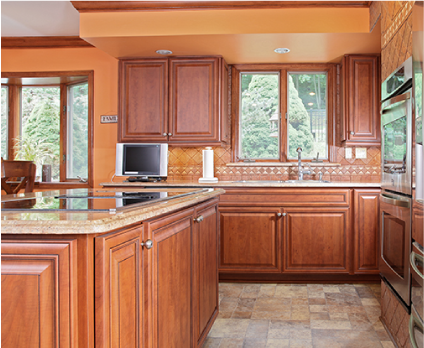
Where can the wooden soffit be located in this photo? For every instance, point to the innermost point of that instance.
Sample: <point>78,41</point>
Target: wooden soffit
<point>44,42</point>
<point>113,6</point>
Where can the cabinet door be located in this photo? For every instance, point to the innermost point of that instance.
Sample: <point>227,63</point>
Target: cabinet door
<point>316,240</point>
<point>205,286</point>
<point>362,100</point>
<point>39,294</point>
<point>118,292</point>
<point>171,283</point>
<point>194,100</point>
<point>143,100</point>
<point>367,231</point>
<point>249,239</point>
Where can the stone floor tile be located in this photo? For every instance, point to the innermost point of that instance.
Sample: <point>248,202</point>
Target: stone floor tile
<point>301,343</point>
<point>320,316</point>
<point>339,316</point>
<point>235,328</point>
<point>300,334</point>
<point>257,329</point>
<point>231,343</point>
<point>245,304</point>
<point>387,344</point>
<point>273,304</point>
<point>228,304</point>
<point>254,343</point>
<point>230,290</point>
<point>370,302</point>
<point>317,301</point>
<point>345,309</point>
<point>318,308</point>
<point>326,343</point>
<point>342,299</point>
<point>359,321</point>
<point>274,315</point>
<point>225,315</point>
<point>241,315</point>
<point>267,290</point>
<point>365,292</point>
<point>331,324</point>
<point>251,291</point>
<point>383,335</point>
<point>331,288</point>
<point>212,342</point>
<point>298,301</point>
<point>277,343</point>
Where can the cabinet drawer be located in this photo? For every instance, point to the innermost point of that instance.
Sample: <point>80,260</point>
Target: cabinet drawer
<point>286,197</point>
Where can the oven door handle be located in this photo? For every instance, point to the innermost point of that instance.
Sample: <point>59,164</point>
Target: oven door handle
<point>395,100</point>
<point>414,322</point>
<point>393,201</point>
<point>415,257</point>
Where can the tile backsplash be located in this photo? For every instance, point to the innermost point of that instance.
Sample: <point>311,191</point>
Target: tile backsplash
<point>186,163</point>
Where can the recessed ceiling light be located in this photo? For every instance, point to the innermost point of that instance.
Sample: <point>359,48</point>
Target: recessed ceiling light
<point>281,50</point>
<point>164,52</point>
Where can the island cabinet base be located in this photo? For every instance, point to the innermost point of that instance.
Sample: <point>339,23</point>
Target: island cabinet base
<point>114,289</point>
<point>299,235</point>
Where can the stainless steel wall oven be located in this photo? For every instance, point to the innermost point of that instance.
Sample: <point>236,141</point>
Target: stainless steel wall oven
<point>396,181</point>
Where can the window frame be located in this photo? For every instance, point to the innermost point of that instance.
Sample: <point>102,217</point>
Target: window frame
<point>14,82</point>
<point>283,69</point>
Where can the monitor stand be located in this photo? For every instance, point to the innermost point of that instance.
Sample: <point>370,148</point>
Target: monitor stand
<point>143,179</point>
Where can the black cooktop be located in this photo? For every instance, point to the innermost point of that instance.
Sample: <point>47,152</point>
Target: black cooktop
<point>84,200</point>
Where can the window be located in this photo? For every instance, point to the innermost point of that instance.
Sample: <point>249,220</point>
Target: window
<point>281,110</point>
<point>51,125</point>
<point>4,121</point>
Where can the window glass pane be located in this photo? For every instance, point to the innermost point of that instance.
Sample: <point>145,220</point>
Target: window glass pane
<point>40,128</point>
<point>77,147</point>
<point>307,114</point>
<point>259,122</point>
<point>4,121</point>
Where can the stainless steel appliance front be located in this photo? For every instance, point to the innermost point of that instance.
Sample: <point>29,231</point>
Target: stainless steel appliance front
<point>396,128</point>
<point>395,240</point>
<point>416,319</point>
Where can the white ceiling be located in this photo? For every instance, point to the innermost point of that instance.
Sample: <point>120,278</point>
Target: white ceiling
<point>39,18</point>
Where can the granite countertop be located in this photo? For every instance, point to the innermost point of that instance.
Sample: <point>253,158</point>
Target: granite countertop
<point>87,222</point>
<point>244,183</point>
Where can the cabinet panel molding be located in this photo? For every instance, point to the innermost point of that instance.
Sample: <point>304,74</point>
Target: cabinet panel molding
<point>39,289</point>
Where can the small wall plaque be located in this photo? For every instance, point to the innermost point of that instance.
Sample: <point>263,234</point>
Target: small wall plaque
<point>109,119</point>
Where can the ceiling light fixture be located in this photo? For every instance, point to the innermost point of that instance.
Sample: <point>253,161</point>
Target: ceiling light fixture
<point>164,52</point>
<point>281,50</point>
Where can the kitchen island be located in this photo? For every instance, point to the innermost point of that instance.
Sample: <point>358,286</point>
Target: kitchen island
<point>92,274</point>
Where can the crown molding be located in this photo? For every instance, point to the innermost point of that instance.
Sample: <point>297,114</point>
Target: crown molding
<point>44,42</point>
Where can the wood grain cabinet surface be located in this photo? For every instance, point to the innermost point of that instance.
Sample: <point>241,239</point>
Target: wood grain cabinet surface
<point>299,234</point>
<point>177,100</point>
<point>361,100</point>
<point>110,289</point>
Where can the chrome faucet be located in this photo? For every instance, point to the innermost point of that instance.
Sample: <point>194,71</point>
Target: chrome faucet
<point>299,160</point>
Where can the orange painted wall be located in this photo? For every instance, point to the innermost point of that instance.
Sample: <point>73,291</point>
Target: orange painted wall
<point>105,91</point>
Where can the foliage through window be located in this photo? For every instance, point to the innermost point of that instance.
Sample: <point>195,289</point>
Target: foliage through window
<point>40,133</point>
<point>261,130</point>
<point>4,122</point>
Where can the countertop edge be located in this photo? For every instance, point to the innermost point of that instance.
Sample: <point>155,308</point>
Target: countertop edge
<point>106,224</point>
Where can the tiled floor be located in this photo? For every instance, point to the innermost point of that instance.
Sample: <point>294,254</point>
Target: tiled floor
<point>284,315</point>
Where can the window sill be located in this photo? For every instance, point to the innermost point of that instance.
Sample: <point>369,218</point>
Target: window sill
<point>281,164</point>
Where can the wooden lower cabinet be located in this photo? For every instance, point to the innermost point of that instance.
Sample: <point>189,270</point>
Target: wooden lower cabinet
<point>110,289</point>
<point>250,239</point>
<point>118,292</point>
<point>366,230</point>
<point>316,239</point>
<point>39,293</point>
<point>304,234</point>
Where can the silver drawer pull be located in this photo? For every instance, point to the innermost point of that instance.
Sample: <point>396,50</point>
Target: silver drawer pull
<point>170,134</point>
<point>280,215</point>
<point>165,134</point>
<point>414,322</point>
<point>198,219</point>
<point>148,244</point>
<point>393,201</point>
<point>414,259</point>
<point>352,132</point>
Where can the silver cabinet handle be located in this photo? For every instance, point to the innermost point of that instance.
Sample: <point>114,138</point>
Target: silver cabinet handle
<point>414,322</point>
<point>416,258</point>
<point>148,244</point>
<point>352,132</point>
<point>393,201</point>
<point>170,134</point>
<point>165,134</point>
<point>280,215</point>
<point>198,219</point>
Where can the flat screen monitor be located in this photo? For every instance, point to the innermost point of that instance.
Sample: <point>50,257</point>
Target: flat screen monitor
<point>142,160</point>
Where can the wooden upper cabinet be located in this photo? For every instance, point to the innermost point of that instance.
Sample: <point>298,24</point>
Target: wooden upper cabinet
<point>361,100</point>
<point>143,100</point>
<point>181,101</point>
